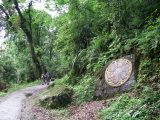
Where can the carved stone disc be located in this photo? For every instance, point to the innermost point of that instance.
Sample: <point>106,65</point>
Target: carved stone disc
<point>118,72</point>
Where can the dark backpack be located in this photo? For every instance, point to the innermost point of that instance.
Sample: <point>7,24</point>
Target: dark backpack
<point>47,76</point>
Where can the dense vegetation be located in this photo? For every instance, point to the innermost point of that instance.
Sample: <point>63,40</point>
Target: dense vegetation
<point>77,44</point>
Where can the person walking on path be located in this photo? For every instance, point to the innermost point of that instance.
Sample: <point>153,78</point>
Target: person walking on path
<point>48,77</point>
<point>43,79</point>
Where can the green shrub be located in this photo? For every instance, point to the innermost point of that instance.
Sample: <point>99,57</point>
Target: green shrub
<point>61,81</point>
<point>84,91</point>
<point>125,107</point>
<point>149,40</point>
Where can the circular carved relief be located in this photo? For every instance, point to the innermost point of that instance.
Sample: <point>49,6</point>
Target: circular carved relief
<point>118,72</point>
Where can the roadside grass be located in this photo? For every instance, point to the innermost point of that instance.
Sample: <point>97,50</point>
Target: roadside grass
<point>15,87</point>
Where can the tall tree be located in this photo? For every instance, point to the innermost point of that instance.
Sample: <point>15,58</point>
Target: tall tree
<point>30,25</point>
<point>28,32</point>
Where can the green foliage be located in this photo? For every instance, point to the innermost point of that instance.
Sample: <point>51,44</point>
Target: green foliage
<point>8,71</point>
<point>129,108</point>
<point>79,63</point>
<point>121,108</point>
<point>84,90</point>
<point>148,80</point>
<point>62,81</point>
<point>79,42</point>
<point>150,95</point>
<point>37,22</point>
<point>150,39</point>
<point>61,2</point>
<point>147,87</point>
<point>148,71</point>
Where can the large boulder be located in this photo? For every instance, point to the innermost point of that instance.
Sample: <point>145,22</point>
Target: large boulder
<point>104,90</point>
<point>58,96</point>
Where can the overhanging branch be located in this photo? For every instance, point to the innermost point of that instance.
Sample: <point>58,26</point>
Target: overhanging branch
<point>7,15</point>
<point>23,21</point>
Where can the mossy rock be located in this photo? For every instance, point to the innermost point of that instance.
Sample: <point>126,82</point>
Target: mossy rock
<point>58,96</point>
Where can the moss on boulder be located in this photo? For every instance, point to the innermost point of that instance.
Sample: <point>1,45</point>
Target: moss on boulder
<point>58,96</point>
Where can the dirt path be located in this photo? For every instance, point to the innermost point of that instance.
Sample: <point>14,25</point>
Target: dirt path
<point>11,105</point>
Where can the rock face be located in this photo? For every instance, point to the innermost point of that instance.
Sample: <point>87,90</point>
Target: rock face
<point>104,90</point>
<point>57,96</point>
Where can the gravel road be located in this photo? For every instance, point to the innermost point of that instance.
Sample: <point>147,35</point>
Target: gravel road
<point>11,105</point>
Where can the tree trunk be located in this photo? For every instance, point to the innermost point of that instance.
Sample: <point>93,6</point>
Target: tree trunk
<point>29,39</point>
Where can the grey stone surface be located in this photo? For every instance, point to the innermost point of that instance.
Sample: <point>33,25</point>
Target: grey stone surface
<point>104,90</point>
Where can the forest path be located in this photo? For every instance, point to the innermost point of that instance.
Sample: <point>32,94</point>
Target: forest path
<point>11,105</point>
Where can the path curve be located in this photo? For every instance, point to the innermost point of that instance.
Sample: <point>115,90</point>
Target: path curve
<point>11,105</point>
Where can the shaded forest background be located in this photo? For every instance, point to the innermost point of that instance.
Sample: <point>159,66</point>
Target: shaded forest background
<point>76,45</point>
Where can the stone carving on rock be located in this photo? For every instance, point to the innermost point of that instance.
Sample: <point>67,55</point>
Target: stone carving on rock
<point>118,72</point>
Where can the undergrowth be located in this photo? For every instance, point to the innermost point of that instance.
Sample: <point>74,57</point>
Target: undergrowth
<point>128,107</point>
<point>124,108</point>
<point>83,90</point>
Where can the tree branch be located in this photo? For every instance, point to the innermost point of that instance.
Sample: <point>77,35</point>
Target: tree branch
<point>7,15</point>
<point>30,18</point>
<point>29,37</point>
<point>23,21</point>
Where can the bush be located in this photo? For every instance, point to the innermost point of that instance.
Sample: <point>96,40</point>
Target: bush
<point>125,107</point>
<point>84,91</point>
